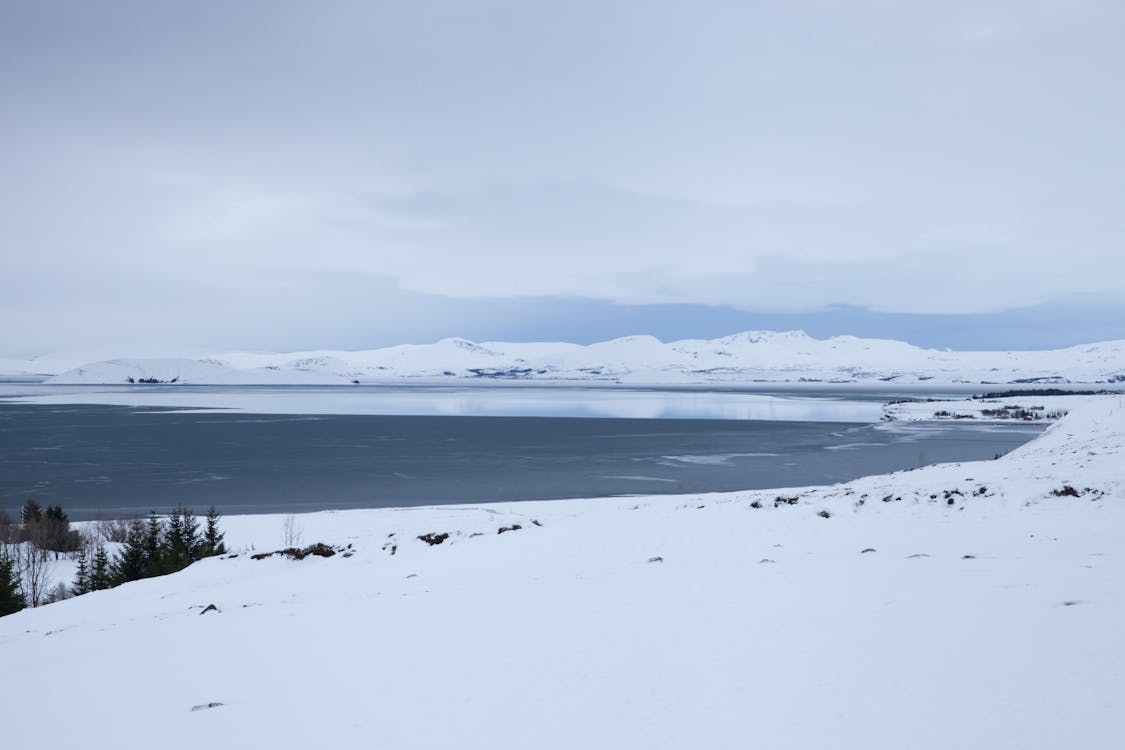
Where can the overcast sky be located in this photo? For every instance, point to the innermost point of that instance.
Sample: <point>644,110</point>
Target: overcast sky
<point>284,175</point>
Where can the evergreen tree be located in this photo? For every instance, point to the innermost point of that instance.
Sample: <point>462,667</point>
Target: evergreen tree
<point>181,539</point>
<point>212,538</point>
<point>99,570</point>
<point>131,563</point>
<point>56,532</point>
<point>154,532</point>
<point>31,513</point>
<point>82,577</point>
<point>11,600</point>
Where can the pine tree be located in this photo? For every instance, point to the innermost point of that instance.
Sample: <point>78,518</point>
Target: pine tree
<point>11,600</point>
<point>172,550</point>
<point>31,513</point>
<point>99,570</point>
<point>82,577</point>
<point>130,564</point>
<point>181,539</point>
<point>212,538</point>
<point>56,532</point>
<point>153,535</point>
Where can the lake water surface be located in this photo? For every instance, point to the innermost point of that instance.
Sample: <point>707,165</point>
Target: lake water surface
<point>120,451</point>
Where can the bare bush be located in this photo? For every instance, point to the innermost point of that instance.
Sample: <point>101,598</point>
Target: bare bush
<point>113,530</point>
<point>291,531</point>
<point>34,568</point>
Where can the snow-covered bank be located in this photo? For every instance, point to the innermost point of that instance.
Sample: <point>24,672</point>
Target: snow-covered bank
<point>966,605</point>
<point>754,356</point>
<point>1031,408</point>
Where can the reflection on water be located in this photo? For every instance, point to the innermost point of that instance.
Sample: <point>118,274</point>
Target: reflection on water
<point>618,403</point>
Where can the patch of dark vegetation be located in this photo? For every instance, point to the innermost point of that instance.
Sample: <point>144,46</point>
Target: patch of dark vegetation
<point>1029,414</point>
<point>914,401</point>
<point>756,504</point>
<point>152,381</point>
<point>1045,392</point>
<point>513,527</point>
<point>320,549</point>
<point>513,373</point>
<point>779,500</point>
<point>433,538</point>
<point>1066,491</point>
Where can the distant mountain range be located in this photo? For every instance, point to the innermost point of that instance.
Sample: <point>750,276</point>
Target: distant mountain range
<point>750,357</point>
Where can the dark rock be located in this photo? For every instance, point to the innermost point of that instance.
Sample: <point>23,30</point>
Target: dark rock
<point>210,608</point>
<point>433,539</point>
<point>865,551</point>
<point>824,514</point>
<point>656,559</point>
<point>513,527</point>
<point>205,706</point>
<point>320,549</point>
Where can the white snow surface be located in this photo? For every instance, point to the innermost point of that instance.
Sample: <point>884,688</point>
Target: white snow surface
<point>955,606</point>
<point>753,356</point>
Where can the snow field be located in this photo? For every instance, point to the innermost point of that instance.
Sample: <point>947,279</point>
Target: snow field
<point>993,621</point>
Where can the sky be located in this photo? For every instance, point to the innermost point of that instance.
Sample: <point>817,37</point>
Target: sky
<point>294,175</point>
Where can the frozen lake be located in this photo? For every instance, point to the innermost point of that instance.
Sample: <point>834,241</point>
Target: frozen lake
<point>120,451</point>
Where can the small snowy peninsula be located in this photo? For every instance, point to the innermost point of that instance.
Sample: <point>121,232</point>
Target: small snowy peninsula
<point>755,356</point>
<point>973,605</point>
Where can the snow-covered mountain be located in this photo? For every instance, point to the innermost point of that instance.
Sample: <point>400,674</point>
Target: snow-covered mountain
<point>753,356</point>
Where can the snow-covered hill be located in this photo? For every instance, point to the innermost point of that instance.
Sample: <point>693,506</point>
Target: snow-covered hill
<point>746,357</point>
<point>974,605</point>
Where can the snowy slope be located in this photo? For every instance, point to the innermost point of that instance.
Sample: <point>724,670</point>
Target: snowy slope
<point>964,605</point>
<point>747,357</point>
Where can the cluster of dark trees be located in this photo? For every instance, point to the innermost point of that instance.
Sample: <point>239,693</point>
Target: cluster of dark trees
<point>150,547</point>
<point>11,597</point>
<point>47,529</point>
<point>153,547</point>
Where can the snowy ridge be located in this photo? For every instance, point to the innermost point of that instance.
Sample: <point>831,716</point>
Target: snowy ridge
<point>960,605</point>
<point>754,356</point>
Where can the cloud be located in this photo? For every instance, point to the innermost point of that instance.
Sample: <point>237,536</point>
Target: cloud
<point>773,159</point>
